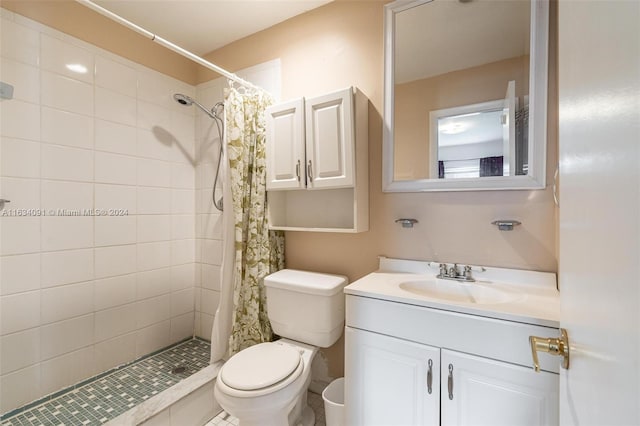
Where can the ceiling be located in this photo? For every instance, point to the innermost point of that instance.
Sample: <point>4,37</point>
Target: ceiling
<point>205,25</point>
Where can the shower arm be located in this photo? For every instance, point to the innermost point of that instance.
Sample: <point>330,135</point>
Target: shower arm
<point>165,43</point>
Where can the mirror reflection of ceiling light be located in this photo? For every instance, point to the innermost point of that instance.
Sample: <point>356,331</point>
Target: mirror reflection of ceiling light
<point>452,128</point>
<point>77,68</point>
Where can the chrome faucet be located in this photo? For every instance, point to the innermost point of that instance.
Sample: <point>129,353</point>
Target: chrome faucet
<point>453,273</point>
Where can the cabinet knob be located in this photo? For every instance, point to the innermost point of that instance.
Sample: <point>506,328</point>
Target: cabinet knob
<point>298,170</point>
<point>555,346</point>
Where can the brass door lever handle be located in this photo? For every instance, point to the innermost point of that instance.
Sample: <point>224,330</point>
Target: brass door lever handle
<point>558,346</point>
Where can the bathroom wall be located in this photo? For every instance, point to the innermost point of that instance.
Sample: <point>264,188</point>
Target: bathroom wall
<point>81,293</point>
<point>339,45</point>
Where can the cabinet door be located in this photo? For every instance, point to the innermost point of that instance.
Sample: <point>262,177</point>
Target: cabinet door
<point>387,381</point>
<point>481,391</point>
<point>285,145</point>
<point>330,132</point>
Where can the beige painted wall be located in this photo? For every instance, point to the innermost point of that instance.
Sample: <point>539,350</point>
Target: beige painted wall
<point>339,45</point>
<point>78,21</point>
<point>416,99</point>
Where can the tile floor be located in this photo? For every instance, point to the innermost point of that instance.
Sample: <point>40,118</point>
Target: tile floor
<point>315,402</point>
<point>110,395</point>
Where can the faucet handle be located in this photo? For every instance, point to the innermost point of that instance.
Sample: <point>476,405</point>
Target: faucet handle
<point>454,271</point>
<point>443,270</point>
<point>467,272</point>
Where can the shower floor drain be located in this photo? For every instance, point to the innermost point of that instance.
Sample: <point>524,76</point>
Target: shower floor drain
<point>179,370</point>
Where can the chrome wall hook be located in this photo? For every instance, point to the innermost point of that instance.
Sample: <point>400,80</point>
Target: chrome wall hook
<point>407,223</point>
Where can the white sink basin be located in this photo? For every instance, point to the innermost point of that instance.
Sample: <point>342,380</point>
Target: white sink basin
<point>455,291</point>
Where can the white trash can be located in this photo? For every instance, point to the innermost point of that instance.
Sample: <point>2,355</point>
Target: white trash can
<point>333,396</point>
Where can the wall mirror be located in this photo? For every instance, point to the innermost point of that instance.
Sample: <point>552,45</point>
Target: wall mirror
<point>465,102</point>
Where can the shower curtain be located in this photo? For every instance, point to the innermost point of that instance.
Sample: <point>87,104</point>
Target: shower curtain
<point>256,251</point>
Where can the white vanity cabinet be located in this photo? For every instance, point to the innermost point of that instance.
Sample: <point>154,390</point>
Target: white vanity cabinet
<point>442,368</point>
<point>317,163</point>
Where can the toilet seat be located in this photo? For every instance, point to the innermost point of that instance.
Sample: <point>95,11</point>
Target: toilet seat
<point>261,369</point>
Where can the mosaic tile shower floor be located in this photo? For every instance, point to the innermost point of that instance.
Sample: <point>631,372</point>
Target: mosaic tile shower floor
<point>108,396</point>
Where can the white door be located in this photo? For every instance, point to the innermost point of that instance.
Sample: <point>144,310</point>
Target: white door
<point>599,258</point>
<point>480,391</point>
<point>390,381</point>
<point>285,145</point>
<point>330,132</point>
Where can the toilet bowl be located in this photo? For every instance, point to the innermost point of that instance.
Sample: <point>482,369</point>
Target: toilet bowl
<point>266,384</point>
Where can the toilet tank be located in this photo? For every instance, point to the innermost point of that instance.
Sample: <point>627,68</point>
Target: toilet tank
<point>307,307</point>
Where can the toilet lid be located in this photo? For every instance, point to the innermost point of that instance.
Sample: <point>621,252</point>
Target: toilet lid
<point>260,366</point>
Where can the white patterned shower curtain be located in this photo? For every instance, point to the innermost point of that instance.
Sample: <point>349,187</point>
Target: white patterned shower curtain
<point>251,251</point>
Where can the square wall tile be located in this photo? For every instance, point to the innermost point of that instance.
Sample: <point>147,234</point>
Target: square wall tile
<point>66,370</point>
<point>67,301</point>
<point>66,93</point>
<point>155,88</point>
<point>115,137</point>
<point>115,322</point>
<point>19,350</point>
<point>151,115</point>
<point>114,261</point>
<point>211,277</point>
<point>115,291</point>
<point>212,252</point>
<point>64,58</point>
<point>66,336</point>
<point>182,302</point>
<point>63,163</point>
<point>183,227</point>
<point>115,352</point>
<point>152,338</point>
<point>154,283</point>
<point>67,196</point>
<point>153,228</point>
<point>115,230</point>
<point>115,168</point>
<point>23,193</point>
<point>209,301</point>
<point>153,310</point>
<point>183,251</point>
<point>19,273</point>
<point>20,120</point>
<point>24,78</point>
<point>67,232</point>
<point>154,201</point>
<point>156,144</point>
<point>183,176</point>
<point>20,387</point>
<point>182,327</point>
<point>19,43</point>
<point>115,76</point>
<point>66,267</point>
<point>183,276</point>
<point>67,128</point>
<point>20,312</point>
<point>154,255</point>
<point>183,201</point>
<point>206,325</point>
<point>116,107</point>
<point>116,197</point>
<point>20,235</point>
<point>20,158</point>
<point>154,173</point>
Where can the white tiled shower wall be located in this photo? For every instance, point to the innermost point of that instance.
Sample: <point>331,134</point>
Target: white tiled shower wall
<point>82,294</point>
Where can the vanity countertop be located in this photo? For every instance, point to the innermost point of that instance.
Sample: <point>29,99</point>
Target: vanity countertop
<point>529,297</point>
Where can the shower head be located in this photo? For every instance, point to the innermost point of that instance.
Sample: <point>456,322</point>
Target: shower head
<point>187,101</point>
<point>183,99</point>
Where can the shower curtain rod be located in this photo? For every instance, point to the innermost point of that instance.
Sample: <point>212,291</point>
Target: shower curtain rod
<point>153,37</point>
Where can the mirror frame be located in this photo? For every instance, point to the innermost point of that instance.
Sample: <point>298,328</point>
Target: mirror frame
<point>538,77</point>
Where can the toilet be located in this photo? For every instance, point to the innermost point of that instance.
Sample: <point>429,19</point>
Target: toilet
<point>266,384</point>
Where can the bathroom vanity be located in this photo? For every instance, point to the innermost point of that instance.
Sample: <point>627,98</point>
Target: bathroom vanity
<point>426,351</point>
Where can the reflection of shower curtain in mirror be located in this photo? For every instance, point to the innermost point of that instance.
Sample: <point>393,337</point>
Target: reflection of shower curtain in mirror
<point>491,166</point>
<point>522,141</point>
<point>258,251</point>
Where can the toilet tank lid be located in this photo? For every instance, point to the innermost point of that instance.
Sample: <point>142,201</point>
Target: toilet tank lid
<point>306,282</point>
